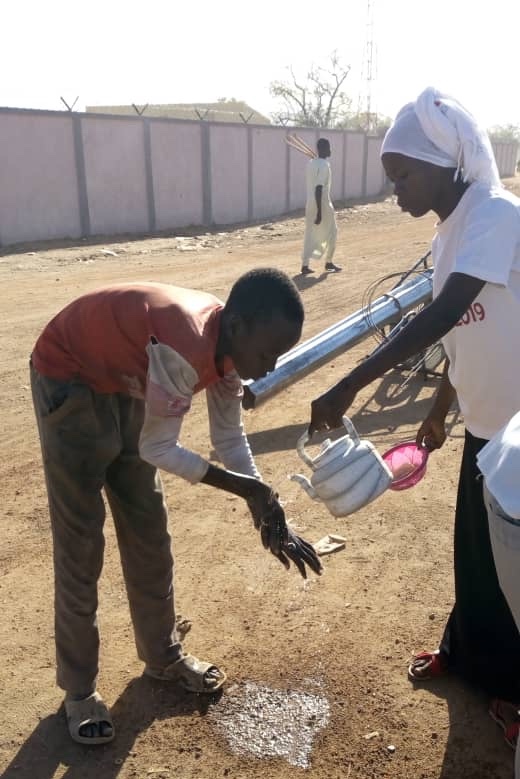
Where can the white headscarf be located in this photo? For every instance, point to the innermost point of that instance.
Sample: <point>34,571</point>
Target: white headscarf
<point>438,129</point>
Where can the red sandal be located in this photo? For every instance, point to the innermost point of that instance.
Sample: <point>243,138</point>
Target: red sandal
<point>427,665</point>
<point>511,734</point>
<point>507,717</point>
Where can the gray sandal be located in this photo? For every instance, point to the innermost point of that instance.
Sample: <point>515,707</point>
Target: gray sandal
<point>88,711</point>
<point>191,673</point>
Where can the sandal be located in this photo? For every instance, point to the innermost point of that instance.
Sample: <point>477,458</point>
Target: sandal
<point>507,717</point>
<point>511,734</point>
<point>90,712</point>
<point>427,665</point>
<point>192,674</point>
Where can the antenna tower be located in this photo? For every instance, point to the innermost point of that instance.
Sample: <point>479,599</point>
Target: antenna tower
<point>366,109</point>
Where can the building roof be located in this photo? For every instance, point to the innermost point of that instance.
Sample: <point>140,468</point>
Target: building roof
<point>222,111</point>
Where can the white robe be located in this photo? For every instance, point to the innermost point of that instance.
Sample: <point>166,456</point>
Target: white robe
<point>319,239</point>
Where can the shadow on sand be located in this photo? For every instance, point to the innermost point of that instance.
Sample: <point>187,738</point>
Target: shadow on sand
<point>143,702</point>
<point>395,405</point>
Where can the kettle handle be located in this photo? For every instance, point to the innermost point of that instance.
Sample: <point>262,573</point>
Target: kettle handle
<point>300,448</point>
<point>351,430</point>
<point>305,438</point>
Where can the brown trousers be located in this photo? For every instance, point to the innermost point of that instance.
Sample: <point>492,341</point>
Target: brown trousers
<point>89,444</point>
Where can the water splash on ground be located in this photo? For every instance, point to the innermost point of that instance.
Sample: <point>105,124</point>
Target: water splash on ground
<point>266,723</point>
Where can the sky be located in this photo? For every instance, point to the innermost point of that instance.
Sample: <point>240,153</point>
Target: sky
<point>109,52</point>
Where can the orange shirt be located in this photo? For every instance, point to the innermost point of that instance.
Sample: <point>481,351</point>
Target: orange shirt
<point>101,338</point>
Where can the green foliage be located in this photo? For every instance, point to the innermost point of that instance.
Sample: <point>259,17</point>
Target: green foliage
<point>375,124</point>
<point>505,132</point>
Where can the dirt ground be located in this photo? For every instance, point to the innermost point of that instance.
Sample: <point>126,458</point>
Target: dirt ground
<point>348,634</point>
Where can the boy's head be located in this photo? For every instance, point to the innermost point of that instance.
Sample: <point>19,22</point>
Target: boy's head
<point>323,147</point>
<point>262,319</point>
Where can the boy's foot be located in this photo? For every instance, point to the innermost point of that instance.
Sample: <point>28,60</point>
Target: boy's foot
<point>331,268</point>
<point>191,673</point>
<point>306,270</point>
<point>89,720</point>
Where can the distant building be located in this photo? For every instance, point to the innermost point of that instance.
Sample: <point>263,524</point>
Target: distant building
<point>222,111</point>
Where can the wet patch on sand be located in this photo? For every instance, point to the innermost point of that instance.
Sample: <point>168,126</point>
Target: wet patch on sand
<point>263,722</point>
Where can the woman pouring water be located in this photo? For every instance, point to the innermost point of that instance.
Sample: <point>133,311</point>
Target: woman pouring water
<point>440,160</point>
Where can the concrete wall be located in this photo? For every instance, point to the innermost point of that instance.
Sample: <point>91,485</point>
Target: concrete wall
<point>114,156</point>
<point>70,174</point>
<point>355,165</point>
<point>38,181</point>
<point>375,176</point>
<point>176,160</point>
<point>269,182</point>
<point>229,173</point>
<point>507,154</point>
<point>297,162</point>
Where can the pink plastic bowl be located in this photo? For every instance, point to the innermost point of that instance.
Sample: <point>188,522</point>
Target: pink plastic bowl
<point>407,462</point>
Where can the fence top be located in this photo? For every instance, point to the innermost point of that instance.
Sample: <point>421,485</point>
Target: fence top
<point>174,120</point>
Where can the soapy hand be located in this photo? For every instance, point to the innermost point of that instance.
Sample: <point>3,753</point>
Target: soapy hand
<point>268,517</point>
<point>283,543</point>
<point>301,553</point>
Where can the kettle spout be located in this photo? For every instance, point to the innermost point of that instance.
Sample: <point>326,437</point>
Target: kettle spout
<point>305,483</point>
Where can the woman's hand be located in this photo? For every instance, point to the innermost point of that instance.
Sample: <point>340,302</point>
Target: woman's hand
<point>327,411</point>
<point>432,433</point>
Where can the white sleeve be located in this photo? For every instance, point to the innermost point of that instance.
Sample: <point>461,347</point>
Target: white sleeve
<point>169,390</point>
<point>322,173</point>
<point>159,446</point>
<point>227,434</point>
<point>490,248</point>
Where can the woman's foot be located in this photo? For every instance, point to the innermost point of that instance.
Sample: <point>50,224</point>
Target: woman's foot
<point>507,717</point>
<point>428,665</point>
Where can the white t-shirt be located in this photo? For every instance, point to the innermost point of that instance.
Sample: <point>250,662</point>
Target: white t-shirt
<point>318,174</point>
<point>481,238</point>
<point>499,461</point>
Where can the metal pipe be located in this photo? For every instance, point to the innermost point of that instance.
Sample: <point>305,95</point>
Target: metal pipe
<point>338,338</point>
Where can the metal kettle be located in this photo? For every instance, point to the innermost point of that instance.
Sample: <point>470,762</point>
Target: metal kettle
<point>347,474</point>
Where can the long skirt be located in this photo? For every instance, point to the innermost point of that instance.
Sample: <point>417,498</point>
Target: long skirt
<point>481,638</point>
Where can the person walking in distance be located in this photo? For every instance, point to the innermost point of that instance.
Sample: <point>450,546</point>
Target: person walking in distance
<point>320,221</point>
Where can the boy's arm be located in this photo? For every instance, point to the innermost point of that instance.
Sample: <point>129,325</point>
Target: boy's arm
<point>224,400</point>
<point>168,398</point>
<point>241,476</point>
<point>269,518</point>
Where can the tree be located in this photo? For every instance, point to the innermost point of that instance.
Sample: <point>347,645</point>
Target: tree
<point>317,99</point>
<point>505,132</point>
<point>373,123</point>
